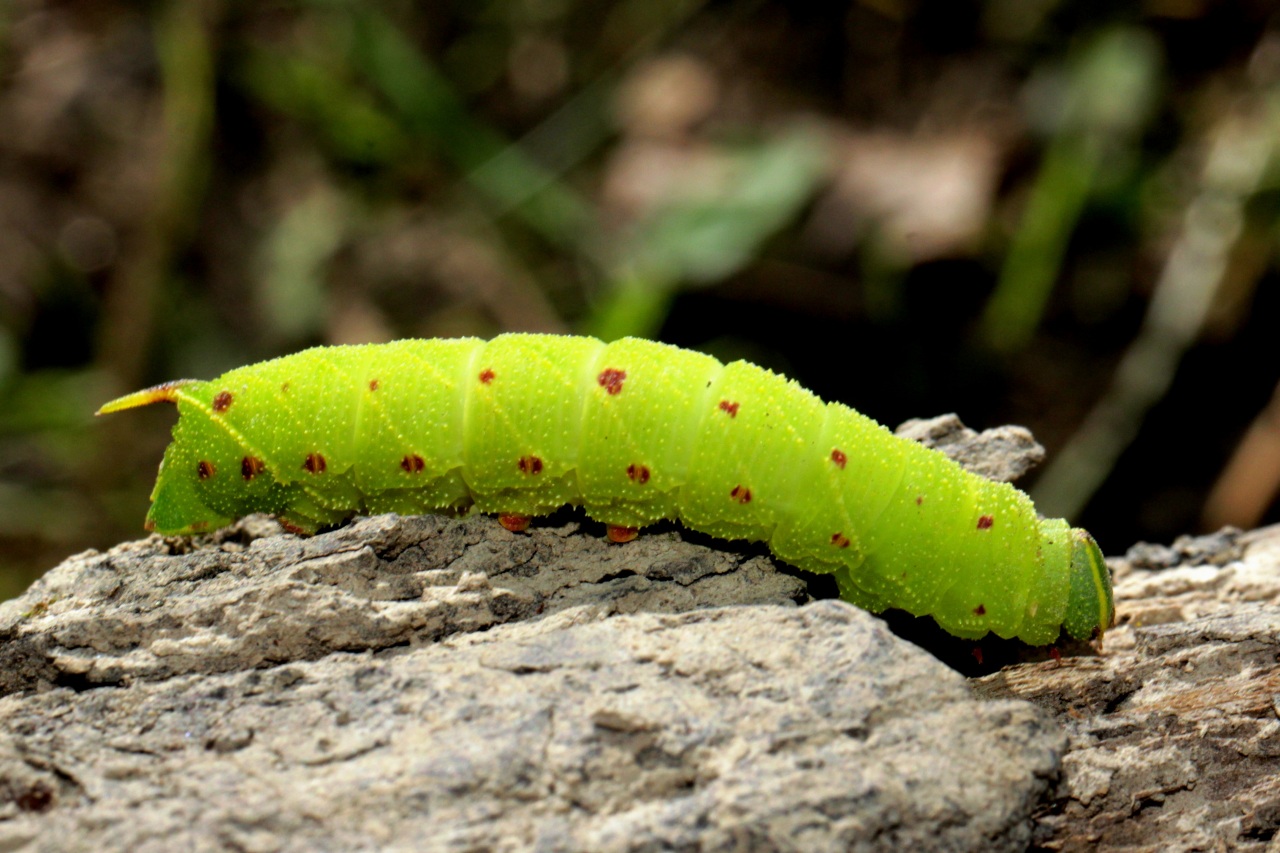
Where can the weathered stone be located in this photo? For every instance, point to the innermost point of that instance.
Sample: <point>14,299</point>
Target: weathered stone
<point>433,684</point>
<point>143,611</point>
<point>1003,453</point>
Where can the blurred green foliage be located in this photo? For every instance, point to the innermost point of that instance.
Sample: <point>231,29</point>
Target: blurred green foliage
<point>910,206</point>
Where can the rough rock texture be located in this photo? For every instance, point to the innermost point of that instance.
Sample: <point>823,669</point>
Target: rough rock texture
<point>435,684</point>
<point>1175,729</point>
<point>1003,453</point>
<point>155,609</point>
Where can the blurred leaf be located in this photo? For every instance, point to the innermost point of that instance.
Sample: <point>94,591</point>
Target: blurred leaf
<point>348,120</point>
<point>635,306</point>
<point>426,102</point>
<point>296,255</point>
<point>1096,110</point>
<point>709,234</point>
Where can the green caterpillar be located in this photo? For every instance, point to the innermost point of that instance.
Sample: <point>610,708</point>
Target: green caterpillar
<point>634,431</point>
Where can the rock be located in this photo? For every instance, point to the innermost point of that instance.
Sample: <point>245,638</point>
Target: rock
<point>156,608</point>
<point>434,684</point>
<point>1003,454</point>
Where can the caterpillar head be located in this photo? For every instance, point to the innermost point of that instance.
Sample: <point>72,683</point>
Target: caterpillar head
<point>1091,610</point>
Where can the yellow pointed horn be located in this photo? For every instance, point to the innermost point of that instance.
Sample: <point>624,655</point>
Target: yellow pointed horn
<point>166,392</point>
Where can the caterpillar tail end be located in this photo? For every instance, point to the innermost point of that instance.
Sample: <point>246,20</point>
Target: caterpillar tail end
<point>1091,608</point>
<point>166,392</point>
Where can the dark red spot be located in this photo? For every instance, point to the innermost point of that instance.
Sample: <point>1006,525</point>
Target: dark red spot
<point>148,525</point>
<point>985,522</point>
<point>741,494</point>
<point>980,610</point>
<point>919,499</point>
<point>840,540</point>
<point>413,463</point>
<point>290,527</point>
<point>314,464</point>
<point>618,533</point>
<point>838,457</point>
<point>222,402</point>
<point>729,408</point>
<point>251,466</point>
<point>205,469</point>
<point>638,473</point>
<point>199,525</point>
<point>977,654</point>
<point>1055,654</point>
<point>514,523</point>
<point>373,384</point>
<point>530,464</point>
<point>486,375</point>
<point>610,379</point>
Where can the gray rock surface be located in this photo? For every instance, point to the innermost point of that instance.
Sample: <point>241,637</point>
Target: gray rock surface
<point>158,608</point>
<point>1003,453</point>
<point>436,684</point>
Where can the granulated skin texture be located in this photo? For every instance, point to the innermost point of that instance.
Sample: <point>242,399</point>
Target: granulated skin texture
<point>635,432</point>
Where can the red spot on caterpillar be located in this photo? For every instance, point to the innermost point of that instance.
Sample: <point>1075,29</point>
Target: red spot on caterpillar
<point>486,376</point>
<point>148,525</point>
<point>919,499</point>
<point>314,464</point>
<point>530,465</point>
<point>977,654</point>
<point>838,457</point>
<point>1055,653</point>
<point>985,522</point>
<point>373,384</point>
<point>222,402</point>
<point>284,389</point>
<point>741,494</point>
<point>205,469</point>
<point>413,463</point>
<point>290,527</point>
<point>514,523</point>
<point>200,525</point>
<point>980,610</point>
<point>251,466</point>
<point>610,379</point>
<point>618,533</point>
<point>731,409</point>
<point>638,473</point>
<point>840,540</point>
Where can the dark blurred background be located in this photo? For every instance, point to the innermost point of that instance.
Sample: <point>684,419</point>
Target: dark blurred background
<point>1059,214</point>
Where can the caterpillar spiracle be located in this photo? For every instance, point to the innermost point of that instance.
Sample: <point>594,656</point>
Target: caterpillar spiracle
<point>634,431</point>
